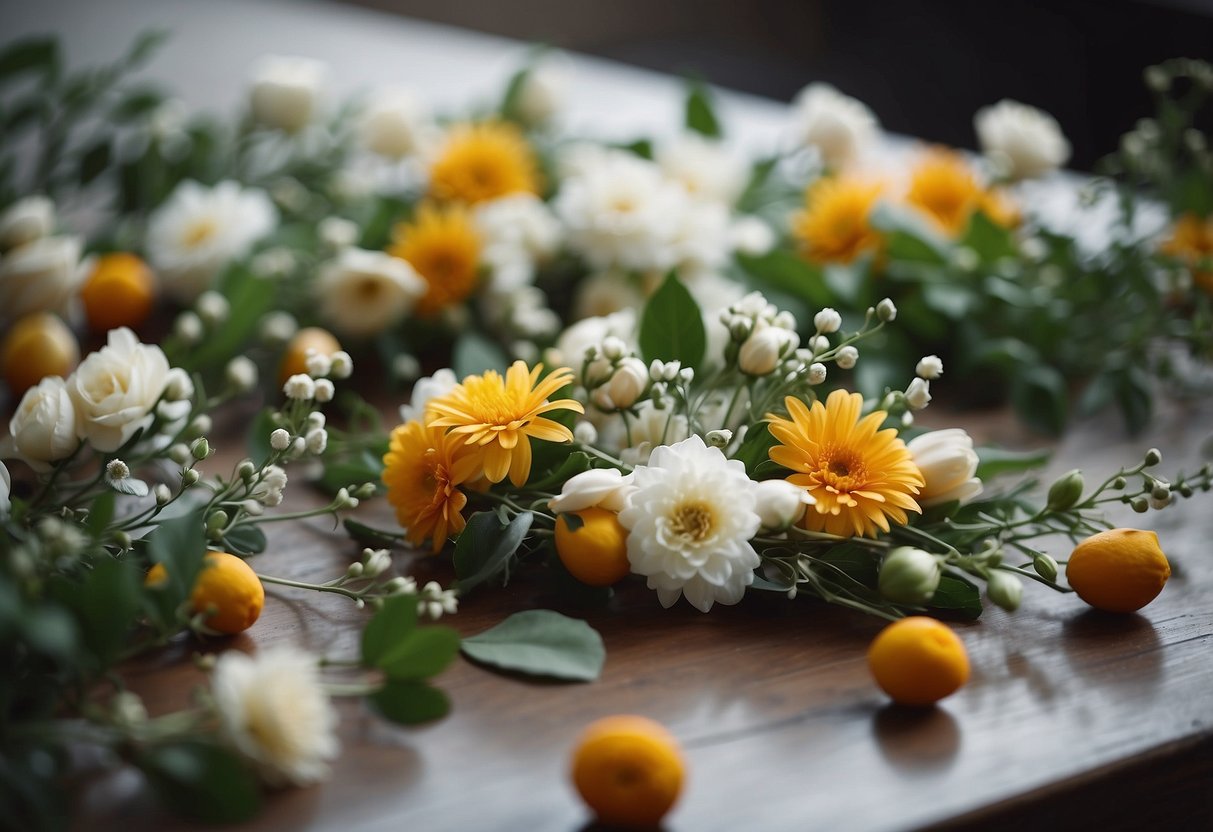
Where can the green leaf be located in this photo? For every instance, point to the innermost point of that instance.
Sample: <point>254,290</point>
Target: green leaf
<point>180,544</point>
<point>671,328</point>
<point>369,535</point>
<point>100,513</point>
<point>245,539</point>
<point>485,546</point>
<point>257,442</point>
<point>756,448</point>
<point>146,46</point>
<point>700,114</point>
<point>94,161</point>
<point>1133,395</point>
<point>394,621</point>
<point>958,596</point>
<point>989,239</point>
<point>641,147</point>
<point>784,270</point>
<point>473,354</point>
<point>422,653</point>
<point>573,464</point>
<point>541,643</point>
<point>997,461</point>
<point>409,702</point>
<point>129,485</point>
<point>32,54</point>
<point>1040,399</point>
<point>250,297</point>
<point>350,473</point>
<point>136,104</point>
<point>105,605</point>
<point>201,780</point>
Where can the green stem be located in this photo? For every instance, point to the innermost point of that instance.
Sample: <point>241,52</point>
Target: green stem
<point>337,590</point>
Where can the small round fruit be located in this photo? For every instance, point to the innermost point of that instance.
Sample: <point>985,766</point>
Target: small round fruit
<point>1120,570</point>
<point>918,661</point>
<point>156,577</point>
<point>38,345</point>
<point>294,360</point>
<point>629,771</point>
<point>596,552</point>
<point>119,291</point>
<point>228,592</point>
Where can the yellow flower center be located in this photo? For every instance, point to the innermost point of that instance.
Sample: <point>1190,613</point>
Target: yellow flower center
<point>841,470</point>
<point>694,521</point>
<point>198,233</point>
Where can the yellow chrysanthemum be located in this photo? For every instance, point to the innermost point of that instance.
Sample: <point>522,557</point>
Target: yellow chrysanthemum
<point>944,187</point>
<point>1191,241</point>
<point>498,416</point>
<point>834,226</point>
<point>422,471</point>
<point>862,477</point>
<point>443,246</point>
<point>479,162</point>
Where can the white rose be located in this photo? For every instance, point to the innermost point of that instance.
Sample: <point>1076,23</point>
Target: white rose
<point>598,487</point>
<point>838,126</point>
<point>39,276</point>
<point>43,428</point>
<point>779,503</point>
<point>6,487</point>
<point>26,220</point>
<point>396,124</point>
<point>629,380</point>
<point>767,345</point>
<point>116,388</point>
<point>286,92</point>
<point>948,464</point>
<point>364,292</point>
<point>544,90</point>
<point>705,167</point>
<point>1022,141</point>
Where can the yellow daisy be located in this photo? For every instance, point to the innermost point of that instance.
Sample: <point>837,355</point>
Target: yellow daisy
<point>479,162</point>
<point>834,226</point>
<point>862,477</point>
<point>422,471</point>
<point>944,187</point>
<point>443,246</point>
<point>1191,241</point>
<point>499,415</point>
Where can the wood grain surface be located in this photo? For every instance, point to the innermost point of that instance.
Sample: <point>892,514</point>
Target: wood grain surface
<point>1073,717</point>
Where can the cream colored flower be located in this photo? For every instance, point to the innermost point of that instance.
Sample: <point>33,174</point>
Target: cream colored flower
<point>838,126</point>
<point>519,233</point>
<point>606,293</point>
<point>948,464</point>
<point>26,220</point>
<point>606,488</point>
<point>424,391</point>
<point>689,522</point>
<point>396,124</point>
<point>545,89</point>
<point>766,346</point>
<point>199,230</point>
<point>116,388</point>
<point>286,92</point>
<point>6,487</point>
<point>274,711</point>
<point>572,344</point>
<point>650,428</point>
<point>704,167</point>
<point>43,428</point>
<point>364,292</point>
<point>39,276</point>
<point>1022,141</point>
<point>780,503</point>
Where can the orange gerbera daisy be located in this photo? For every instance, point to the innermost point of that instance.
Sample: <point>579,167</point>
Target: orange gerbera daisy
<point>422,471</point>
<point>862,477</point>
<point>944,187</point>
<point>1191,241</point>
<point>443,246</point>
<point>834,226</point>
<point>499,415</point>
<point>479,162</point>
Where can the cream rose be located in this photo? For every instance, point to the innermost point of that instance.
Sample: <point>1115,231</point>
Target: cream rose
<point>39,276</point>
<point>1023,141</point>
<point>116,388</point>
<point>43,429</point>
<point>286,92</point>
<point>948,464</point>
<point>364,292</point>
<point>26,220</point>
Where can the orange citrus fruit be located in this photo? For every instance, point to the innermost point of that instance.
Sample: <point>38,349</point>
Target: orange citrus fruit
<point>156,577</point>
<point>1120,570</point>
<point>918,661</point>
<point>629,771</point>
<point>118,292</point>
<point>294,360</point>
<point>38,345</point>
<point>596,552</point>
<point>228,592</point>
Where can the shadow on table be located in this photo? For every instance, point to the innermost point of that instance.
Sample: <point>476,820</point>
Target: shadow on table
<point>916,741</point>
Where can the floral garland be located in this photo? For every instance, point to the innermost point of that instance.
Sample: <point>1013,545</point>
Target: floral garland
<point>683,428</point>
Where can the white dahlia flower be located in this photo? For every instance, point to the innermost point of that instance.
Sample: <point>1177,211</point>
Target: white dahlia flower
<point>704,167</point>
<point>274,711</point>
<point>364,292</point>
<point>1022,141</point>
<point>690,522</point>
<point>519,232</point>
<point>199,230</point>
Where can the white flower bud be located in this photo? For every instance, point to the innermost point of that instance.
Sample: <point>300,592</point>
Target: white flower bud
<point>318,364</point>
<point>337,232</point>
<point>827,320</point>
<point>201,426</point>
<point>189,477</point>
<point>819,344</point>
<point>719,438</point>
<point>1004,589</point>
<point>299,387</point>
<point>241,374</point>
<point>585,433</point>
<point>764,349</point>
<point>686,375</point>
<point>200,449</point>
<point>886,310</point>
<point>116,469</point>
<point>784,320</point>
<point>278,327</point>
<point>213,308</point>
<point>341,365</point>
<point>613,348</point>
<point>628,382</point>
<point>605,488</point>
<point>252,507</point>
<point>355,570</point>
<point>317,441</point>
<point>376,562</point>
<point>966,259</point>
<point>948,464</point>
<point>847,357</point>
<point>780,503</point>
<point>188,327</point>
<point>817,373</point>
<point>280,440</point>
<point>929,367</point>
<point>918,394</point>
<point>909,576</point>
<point>26,220</point>
<point>162,494</point>
<point>179,387</point>
<point>179,453</point>
<point>324,390</point>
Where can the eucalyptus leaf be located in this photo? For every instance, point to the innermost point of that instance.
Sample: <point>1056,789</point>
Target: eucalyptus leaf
<point>409,702</point>
<point>421,653</point>
<point>995,461</point>
<point>396,620</point>
<point>40,54</point>
<point>671,327</point>
<point>540,643</point>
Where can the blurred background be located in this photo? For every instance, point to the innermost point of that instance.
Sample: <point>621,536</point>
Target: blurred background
<point>924,66</point>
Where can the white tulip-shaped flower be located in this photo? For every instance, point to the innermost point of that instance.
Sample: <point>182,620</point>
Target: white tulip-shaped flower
<point>43,428</point>
<point>606,488</point>
<point>780,503</point>
<point>767,345</point>
<point>948,464</point>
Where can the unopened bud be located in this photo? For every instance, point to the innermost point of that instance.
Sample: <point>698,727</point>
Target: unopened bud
<point>1004,589</point>
<point>216,522</point>
<point>719,438</point>
<point>1153,457</point>
<point>909,576</point>
<point>189,477</point>
<point>1066,491</point>
<point>200,450</point>
<point>1045,567</point>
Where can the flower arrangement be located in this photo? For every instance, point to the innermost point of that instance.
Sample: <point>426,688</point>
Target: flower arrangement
<point>643,370</point>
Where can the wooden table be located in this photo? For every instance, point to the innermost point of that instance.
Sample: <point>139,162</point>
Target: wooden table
<point>1072,719</point>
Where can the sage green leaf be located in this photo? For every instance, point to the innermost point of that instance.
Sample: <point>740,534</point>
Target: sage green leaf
<point>409,702</point>
<point>201,780</point>
<point>540,643</point>
<point>485,546</point>
<point>420,654</point>
<point>671,328</point>
<point>957,596</point>
<point>473,354</point>
<point>996,461</point>
<point>700,114</point>
<point>245,539</point>
<point>396,619</point>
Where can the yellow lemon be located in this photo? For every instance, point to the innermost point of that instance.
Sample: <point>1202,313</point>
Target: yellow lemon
<point>294,360</point>
<point>38,345</point>
<point>596,552</point>
<point>118,292</point>
<point>629,771</point>
<point>228,592</point>
<point>156,577</point>
<point>918,661</point>
<point>1120,570</point>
